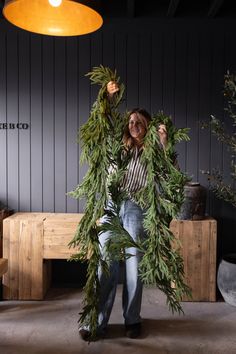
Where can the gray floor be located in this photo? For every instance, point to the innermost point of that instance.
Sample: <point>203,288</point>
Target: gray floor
<point>50,326</point>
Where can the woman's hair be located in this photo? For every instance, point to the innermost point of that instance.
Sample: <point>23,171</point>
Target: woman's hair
<point>144,117</point>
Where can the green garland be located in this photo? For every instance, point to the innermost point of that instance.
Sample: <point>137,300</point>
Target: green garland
<point>102,147</point>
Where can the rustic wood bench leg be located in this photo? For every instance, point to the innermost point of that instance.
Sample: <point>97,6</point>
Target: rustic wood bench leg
<point>3,266</point>
<point>198,240</point>
<point>23,247</point>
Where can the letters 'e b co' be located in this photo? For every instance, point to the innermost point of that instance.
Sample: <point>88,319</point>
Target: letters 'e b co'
<point>14,126</point>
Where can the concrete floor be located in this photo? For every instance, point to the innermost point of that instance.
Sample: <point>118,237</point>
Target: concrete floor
<point>50,326</point>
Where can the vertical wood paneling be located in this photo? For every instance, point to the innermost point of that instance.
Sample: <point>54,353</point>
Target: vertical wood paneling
<point>205,87</point>
<point>36,124</point>
<point>132,83</point>
<point>3,133</point>
<point>60,125</point>
<point>180,92</point>
<point>72,114</point>
<point>24,117</point>
<point>12,117</point>
<point>48,123</point>
<point>84,62</point>
<point>157,72</point>
<point>95,60</point>
<point>192,105</point>
<point>120,62</point>
<point>145,53</point>
<point>175,68</point>
<point>108,50</point>
<point>169,57</point>
<point>217,104</point>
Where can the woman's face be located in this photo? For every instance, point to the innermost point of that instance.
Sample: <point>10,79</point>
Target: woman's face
<point>136,127</point>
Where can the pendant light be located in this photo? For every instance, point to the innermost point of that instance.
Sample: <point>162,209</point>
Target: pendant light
<point>52,17</point>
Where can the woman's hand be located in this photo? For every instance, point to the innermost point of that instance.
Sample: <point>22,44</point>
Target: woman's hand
<point>112,88</point>
<point>162,132</point>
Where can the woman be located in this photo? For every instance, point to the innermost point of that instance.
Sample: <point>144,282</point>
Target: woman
<point>131,217</point>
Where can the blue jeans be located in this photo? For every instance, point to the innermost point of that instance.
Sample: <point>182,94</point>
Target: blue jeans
<point>131,218</point>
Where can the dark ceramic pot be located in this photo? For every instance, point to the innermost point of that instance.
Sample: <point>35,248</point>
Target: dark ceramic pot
<point>226,278</point>
<point>194,204</point>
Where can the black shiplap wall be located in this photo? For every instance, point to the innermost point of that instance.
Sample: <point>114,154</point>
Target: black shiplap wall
<point>176,66</point>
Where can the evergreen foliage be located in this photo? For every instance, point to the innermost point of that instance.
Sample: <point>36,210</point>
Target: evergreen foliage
<point>162,197</point>
<point>223,190</point>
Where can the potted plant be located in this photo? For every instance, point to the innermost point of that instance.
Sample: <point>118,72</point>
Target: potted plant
<point>226,276</point>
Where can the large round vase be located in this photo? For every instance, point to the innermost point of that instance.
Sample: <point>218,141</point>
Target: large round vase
<point>226,278</point>
<point>194,204</point>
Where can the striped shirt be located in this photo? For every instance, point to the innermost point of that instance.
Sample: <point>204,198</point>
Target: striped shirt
<point>136,175</point>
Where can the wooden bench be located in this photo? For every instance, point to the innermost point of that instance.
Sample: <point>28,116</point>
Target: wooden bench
<point>31,240</point>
